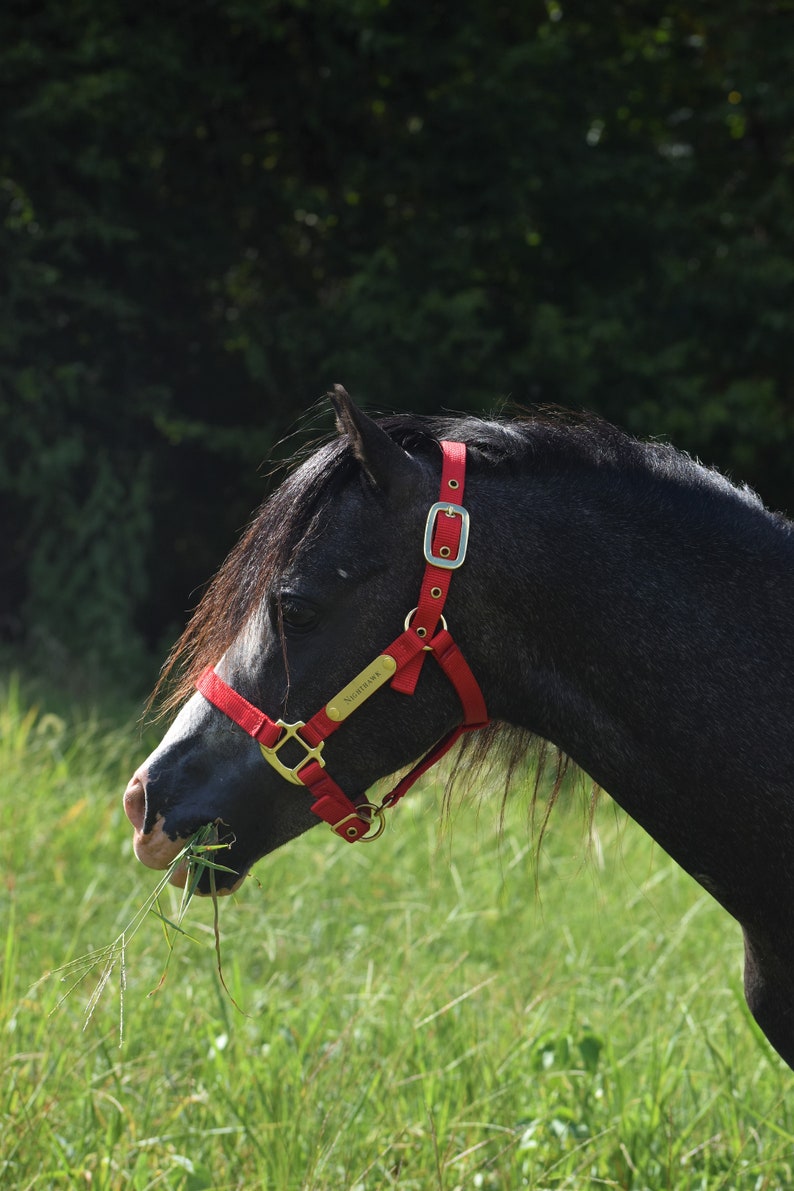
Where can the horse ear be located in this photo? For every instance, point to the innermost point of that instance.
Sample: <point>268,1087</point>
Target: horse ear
<point>385,463</point>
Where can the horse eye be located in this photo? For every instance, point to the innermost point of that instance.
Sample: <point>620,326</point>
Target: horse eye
<point>296,614</point>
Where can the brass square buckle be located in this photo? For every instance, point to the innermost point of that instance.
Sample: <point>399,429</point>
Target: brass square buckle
<point>448,510</point>
<point>292,732</point>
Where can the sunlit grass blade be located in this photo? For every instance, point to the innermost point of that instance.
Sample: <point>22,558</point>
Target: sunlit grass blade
<point>174,926</point>
<point>217,933</point>
<point>194,857</point>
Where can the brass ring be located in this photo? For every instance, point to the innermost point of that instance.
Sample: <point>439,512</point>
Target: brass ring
<point>375,812</point>
<point>407,624</point>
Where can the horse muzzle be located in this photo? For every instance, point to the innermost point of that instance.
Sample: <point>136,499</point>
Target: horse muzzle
<point>158,850</point>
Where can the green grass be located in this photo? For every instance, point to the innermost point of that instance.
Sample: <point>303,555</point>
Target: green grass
<point>414,1015</point>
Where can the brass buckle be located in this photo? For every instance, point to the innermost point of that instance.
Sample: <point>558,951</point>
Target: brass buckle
<point>449,510</point>
<point>370,813</point>
<point>292,732</point>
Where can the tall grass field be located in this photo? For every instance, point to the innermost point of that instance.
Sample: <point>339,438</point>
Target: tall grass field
<point>442,1010</point>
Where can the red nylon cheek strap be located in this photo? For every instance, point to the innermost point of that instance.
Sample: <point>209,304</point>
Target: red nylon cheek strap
<point>446,536</point>
<point>250,718</point>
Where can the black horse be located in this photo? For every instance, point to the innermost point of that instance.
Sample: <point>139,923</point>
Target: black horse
<point>615,598</point>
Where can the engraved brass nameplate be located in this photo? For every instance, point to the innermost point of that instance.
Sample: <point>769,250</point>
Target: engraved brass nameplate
<point>360,688</point>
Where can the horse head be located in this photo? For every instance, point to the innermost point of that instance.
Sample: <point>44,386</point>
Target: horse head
<point>328,576</point>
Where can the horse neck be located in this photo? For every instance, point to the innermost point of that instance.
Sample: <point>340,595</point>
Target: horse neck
<point>644,630</point>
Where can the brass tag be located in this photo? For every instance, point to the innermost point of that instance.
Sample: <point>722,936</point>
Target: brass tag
<point>360,688</point>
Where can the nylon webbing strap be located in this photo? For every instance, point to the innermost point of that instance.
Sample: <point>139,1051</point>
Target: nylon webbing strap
<point>250,718</point>
<point>446,536</point>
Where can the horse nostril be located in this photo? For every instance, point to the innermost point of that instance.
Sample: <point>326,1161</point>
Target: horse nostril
<point>135,800</point>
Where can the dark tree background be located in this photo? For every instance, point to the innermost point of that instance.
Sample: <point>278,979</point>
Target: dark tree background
<point>212,210</point>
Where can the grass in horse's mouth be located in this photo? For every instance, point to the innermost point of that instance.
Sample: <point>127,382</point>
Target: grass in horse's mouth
<point>198,857</point>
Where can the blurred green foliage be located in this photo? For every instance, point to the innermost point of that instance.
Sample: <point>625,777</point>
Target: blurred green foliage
<point>210,212</point>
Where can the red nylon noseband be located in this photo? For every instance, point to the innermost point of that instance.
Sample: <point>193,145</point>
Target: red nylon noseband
<point>446,538</point>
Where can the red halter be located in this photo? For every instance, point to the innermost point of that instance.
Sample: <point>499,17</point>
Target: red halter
<point>445,542</point>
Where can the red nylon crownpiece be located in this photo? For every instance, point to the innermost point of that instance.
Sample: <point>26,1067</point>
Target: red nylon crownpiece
<point>436,580</point>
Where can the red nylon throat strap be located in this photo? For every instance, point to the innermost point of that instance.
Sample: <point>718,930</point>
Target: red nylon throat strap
<point>446,537</point>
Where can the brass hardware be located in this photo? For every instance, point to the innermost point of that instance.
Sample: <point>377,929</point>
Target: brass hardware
<point>360,688</point>
<point>292,732</point>
<point>453,484</point>
<point>443,558</point>
<point>370,814</point>
<point>436,593</point>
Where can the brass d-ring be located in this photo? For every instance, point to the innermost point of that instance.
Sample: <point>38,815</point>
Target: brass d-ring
<point>377,820</point>
<point>369,812</point>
